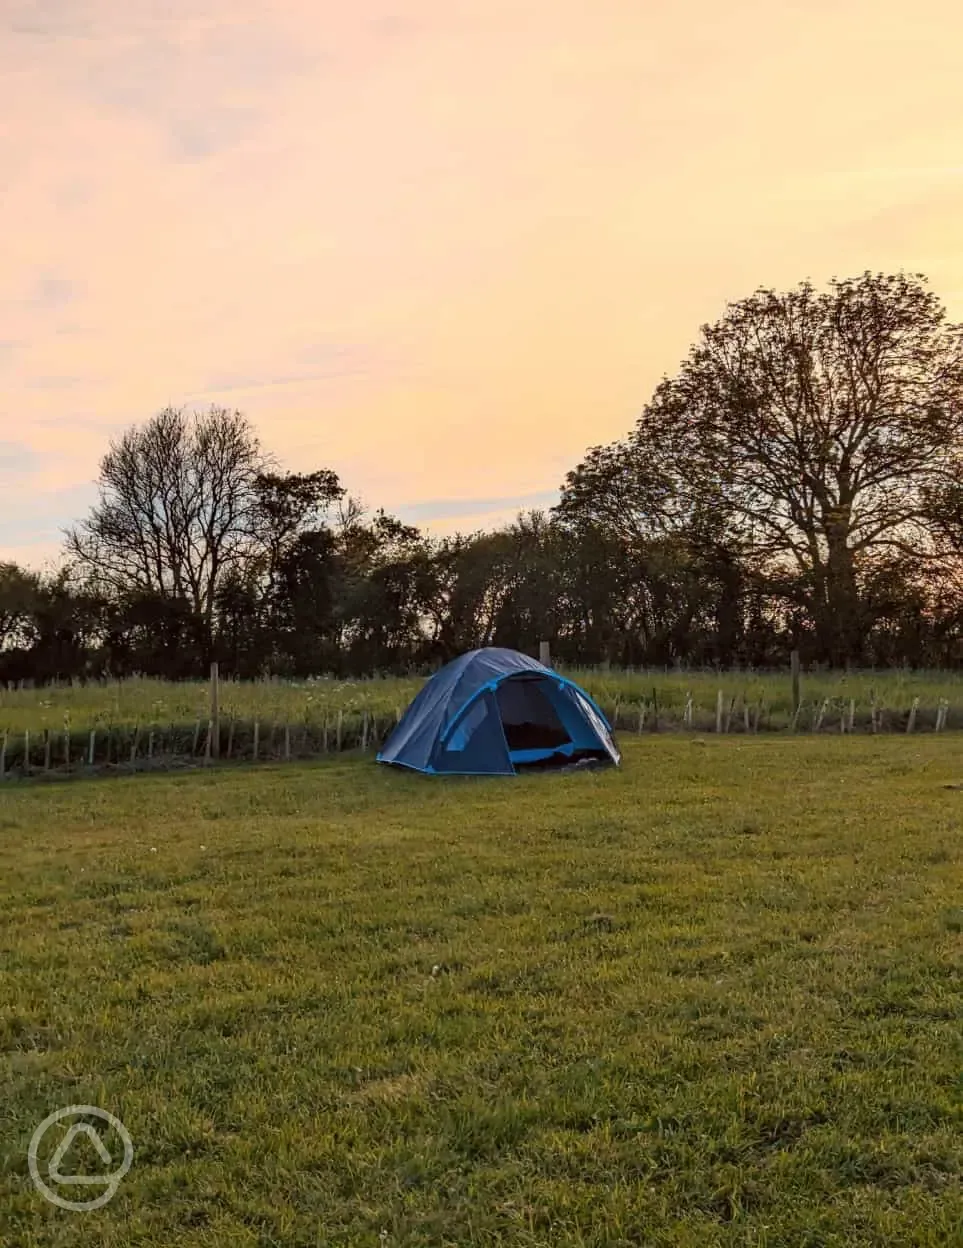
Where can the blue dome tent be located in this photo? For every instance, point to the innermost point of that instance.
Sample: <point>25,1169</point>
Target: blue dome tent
<point>495,711</point>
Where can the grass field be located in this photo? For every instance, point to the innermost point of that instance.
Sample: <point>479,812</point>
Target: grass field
<point>145,701</point>
<point>712,998</point>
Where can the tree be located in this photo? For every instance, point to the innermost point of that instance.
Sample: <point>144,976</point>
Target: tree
<point>20,593</point>
<point>809,426</point>
<point>178,511</point>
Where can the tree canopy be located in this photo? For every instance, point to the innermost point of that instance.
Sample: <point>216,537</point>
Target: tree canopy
<point>797,482</point>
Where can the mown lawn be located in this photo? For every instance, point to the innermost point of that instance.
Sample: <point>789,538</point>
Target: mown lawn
<point>711,999</point>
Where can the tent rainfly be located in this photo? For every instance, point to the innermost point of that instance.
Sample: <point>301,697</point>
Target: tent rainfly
<point>497,712</point>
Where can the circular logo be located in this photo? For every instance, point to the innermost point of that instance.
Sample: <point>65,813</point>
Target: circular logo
<point>79,1130</point>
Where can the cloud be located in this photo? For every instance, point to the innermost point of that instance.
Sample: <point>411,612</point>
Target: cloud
<point>451,508</point>
<point>206,84</point>
<point>51,291</point>
<point>17,460</point>
<point>49,19</point>
<point>55,381</point>
<point>394,26</point>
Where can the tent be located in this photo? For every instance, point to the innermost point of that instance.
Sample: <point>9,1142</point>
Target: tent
<point>495,712</point>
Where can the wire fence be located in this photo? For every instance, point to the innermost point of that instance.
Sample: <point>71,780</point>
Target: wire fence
<point>149,746</point>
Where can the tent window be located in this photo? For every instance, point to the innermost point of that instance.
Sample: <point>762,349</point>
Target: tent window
<point>528,717</point>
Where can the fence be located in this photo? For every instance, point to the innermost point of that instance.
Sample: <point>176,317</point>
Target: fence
<point>142,747</point>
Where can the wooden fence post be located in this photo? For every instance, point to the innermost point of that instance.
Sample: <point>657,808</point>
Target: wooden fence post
<point>911,722</point>
<point>545,653</point>
<point>794,669</point>
<point>215,740</point>
<point>255,739</point>
<point>719,710</point>
<point>287,742</point>
<point>337,744</point>
<point>46,749</point>
<point>90,750</point>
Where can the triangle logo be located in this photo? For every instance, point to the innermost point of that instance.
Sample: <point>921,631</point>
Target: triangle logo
<point>79,1128</point>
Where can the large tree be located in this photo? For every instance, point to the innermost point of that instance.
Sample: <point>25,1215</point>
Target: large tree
<point>811,426</point>
<point>179,509</point>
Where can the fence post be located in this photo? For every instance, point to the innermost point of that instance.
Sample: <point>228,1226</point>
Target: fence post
<point>545,653</point>
<point>26,751</point>
<point>287,742</point>
<point>718,710</point>
<point>339,728</point>
<point>911,722</point>
<point>90,750</point>
<point>255,739</point>
<point>794,668</point>
<point>215,714</point>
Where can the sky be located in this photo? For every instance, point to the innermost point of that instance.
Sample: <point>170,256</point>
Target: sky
<point>441,246</point>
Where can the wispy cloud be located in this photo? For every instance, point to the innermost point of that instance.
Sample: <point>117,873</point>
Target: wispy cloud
<point>440,247</point>
<point>51,291</point>
<point>451,508</point>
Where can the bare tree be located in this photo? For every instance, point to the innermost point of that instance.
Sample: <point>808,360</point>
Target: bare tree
<point>178,509</point>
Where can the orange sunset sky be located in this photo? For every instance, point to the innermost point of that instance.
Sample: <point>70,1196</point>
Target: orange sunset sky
<point>440,246</point>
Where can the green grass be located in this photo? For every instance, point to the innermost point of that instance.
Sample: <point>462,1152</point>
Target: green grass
<point>712,998</point>
<point>146,701</point>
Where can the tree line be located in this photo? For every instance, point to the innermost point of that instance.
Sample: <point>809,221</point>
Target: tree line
<point>798,483</point>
